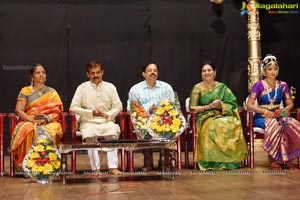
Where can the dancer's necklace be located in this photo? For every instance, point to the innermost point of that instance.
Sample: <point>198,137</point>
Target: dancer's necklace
<point>271,100</point>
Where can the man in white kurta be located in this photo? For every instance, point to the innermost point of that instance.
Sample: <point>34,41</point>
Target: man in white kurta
<point>98,103</point>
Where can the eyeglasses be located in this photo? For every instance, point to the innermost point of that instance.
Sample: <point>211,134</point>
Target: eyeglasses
<point>95,73</point>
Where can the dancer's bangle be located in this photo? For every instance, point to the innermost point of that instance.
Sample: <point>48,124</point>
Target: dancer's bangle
<point>265,113</point>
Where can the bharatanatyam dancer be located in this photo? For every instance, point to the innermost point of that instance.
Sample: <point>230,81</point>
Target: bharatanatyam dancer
<point>282,133</point>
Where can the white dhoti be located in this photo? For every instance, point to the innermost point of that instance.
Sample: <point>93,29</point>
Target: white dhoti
<point>107,130</point>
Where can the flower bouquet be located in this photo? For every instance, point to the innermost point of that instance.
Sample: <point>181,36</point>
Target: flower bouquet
<point>139,120</point>
<point>279,113</point>
<point>166,123</point>
<point>42,162</point>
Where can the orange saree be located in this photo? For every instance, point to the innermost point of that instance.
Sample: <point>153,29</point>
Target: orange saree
<point>42,102</point>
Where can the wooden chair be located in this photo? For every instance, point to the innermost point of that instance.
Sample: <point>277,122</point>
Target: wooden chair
<point>76,137</point>
<point>189,135</point>
<point>12,123</point>
<point>258,133</point>
<point>2,115</point>
<point>132,136</point>
<point>189,138</point>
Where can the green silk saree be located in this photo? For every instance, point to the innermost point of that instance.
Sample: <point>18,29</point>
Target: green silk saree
<point>220,143</point>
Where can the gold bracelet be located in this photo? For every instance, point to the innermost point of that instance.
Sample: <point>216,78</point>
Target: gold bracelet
<point>265,113</point>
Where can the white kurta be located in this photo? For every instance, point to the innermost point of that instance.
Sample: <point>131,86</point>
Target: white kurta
<point>103,97</point>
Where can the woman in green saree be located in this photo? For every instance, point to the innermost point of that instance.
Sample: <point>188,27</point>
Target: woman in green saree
<point>220,143</point>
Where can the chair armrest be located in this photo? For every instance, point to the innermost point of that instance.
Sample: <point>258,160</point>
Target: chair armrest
<point>122,122</point>
<point>73,126</point>
<point>64,125</point>
<point>297,111</point>
<point>250,123</point>
<point>12,122</point>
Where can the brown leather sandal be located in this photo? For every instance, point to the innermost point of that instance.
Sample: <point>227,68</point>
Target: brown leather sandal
<point>114,171</point>
<point>93,174</point>
<point>275,166</point>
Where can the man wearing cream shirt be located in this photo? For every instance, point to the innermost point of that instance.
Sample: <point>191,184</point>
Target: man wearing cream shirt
<point>97,103</point>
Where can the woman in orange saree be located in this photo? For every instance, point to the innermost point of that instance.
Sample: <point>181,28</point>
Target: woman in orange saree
<point>39,110</point>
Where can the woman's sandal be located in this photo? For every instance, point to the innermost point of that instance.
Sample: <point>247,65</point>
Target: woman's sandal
<point>291,166</point>
<point>275,166</point>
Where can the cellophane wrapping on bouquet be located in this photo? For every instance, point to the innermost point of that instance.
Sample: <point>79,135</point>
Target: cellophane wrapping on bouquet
<point>167,122</point>
<point>139,120</point>
<point>42,162</point>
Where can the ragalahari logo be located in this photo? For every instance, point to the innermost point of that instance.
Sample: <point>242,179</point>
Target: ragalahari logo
<point>246,8</point>
<point>271,8</point>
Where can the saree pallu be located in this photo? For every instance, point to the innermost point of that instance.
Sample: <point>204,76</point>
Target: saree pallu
<point>220,142</point>
<point>47,103</point>
<point>282,138</point>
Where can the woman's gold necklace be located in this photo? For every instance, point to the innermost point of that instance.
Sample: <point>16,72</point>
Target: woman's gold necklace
<point>39,91</point>
<point>210,88</point>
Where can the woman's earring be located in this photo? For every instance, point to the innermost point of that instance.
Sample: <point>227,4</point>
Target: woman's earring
<point>31,81</point>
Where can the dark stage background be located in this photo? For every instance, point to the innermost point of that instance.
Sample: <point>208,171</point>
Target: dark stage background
<point>178,35</point>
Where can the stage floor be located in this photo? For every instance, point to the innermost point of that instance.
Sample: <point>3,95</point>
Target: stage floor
<point>244,183</point>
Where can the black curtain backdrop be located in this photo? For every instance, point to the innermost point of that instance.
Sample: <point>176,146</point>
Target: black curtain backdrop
<point>178,35</point>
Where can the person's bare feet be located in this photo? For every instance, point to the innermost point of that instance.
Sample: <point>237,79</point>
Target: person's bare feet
<point>275,166</point>
<point>291,166</point>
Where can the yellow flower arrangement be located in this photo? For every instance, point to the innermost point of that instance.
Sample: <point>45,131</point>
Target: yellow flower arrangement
<point>139,120</point>
<point>166,122</point>
<point>42,160</point>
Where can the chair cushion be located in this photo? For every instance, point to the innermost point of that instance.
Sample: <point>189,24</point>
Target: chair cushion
<point>78,133</point>
<point>258,130</point>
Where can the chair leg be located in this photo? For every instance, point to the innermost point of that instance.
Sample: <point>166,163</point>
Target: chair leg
<point>12,166</point>
<point>246,162</point>
<point>1,153</point>
<point>123,168</point>
<point>130,161</point>
<point>179,153</point>
<point>194,146</point>
<point>186,151</point>
<point>73,162</point>
<point>2,115</point>
<point>252,154</point>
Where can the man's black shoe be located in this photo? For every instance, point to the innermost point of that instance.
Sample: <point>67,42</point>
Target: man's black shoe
<point>147,168</point>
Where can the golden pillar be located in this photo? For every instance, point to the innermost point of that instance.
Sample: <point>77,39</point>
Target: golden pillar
<point>217,1</point>
<point>254,50</point>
